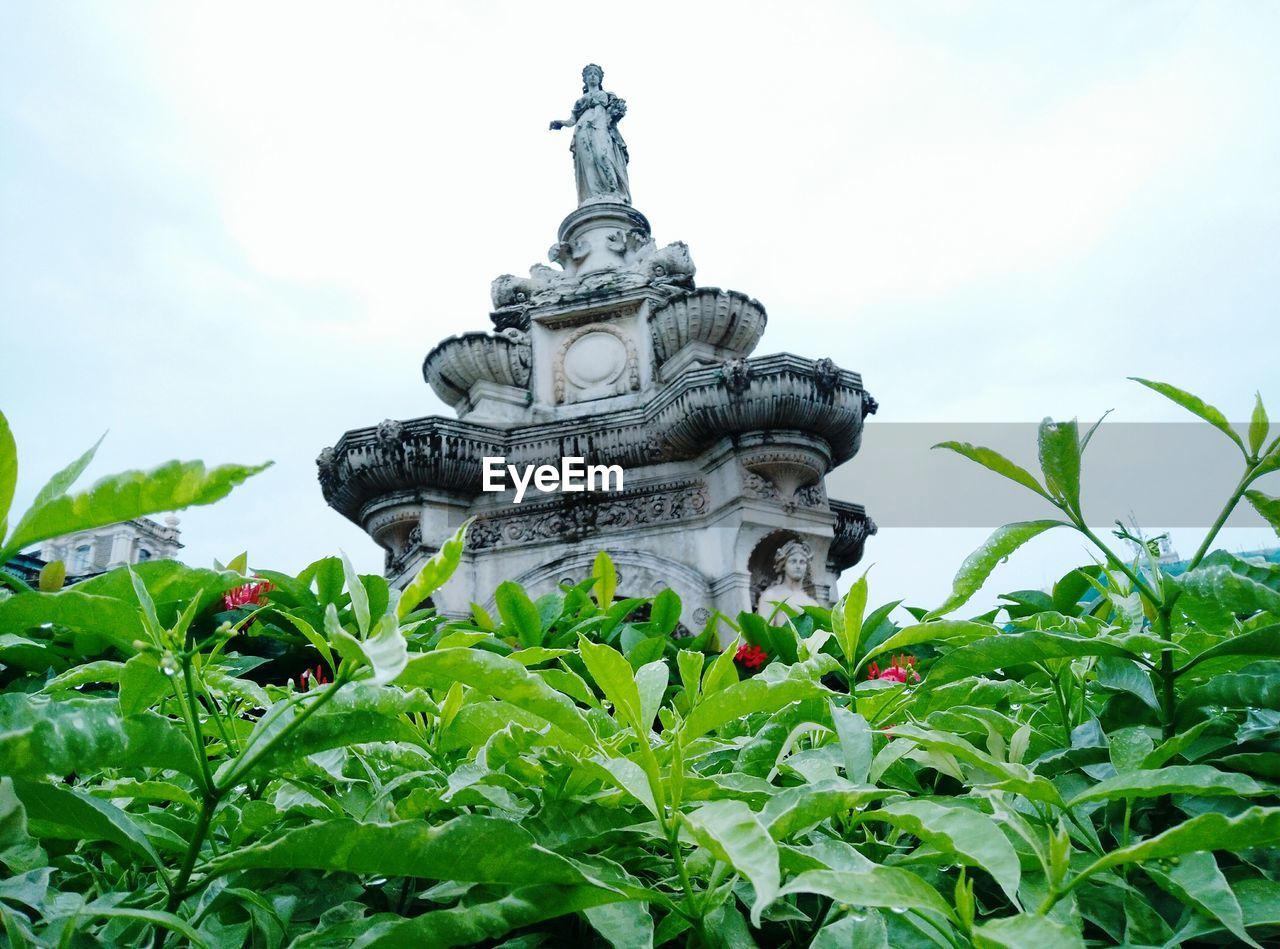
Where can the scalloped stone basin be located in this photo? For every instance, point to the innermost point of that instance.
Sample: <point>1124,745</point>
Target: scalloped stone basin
<point>453,367</point>
<point>724,319</point>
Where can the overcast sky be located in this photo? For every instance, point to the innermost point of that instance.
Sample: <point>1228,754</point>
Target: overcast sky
<point>232,231</point>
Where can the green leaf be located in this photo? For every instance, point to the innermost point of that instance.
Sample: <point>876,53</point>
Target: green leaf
<point>751,695</point>
<point>8,472</point>
<point>613,674</point>
<point>1259,642</point>
<point>53,576</point>
<point>1196,881</point>
<point>1019,932</point>
<point>998,463</point>
<point>1201,780</point>
<point>935,631</point>
<point>870,885</point>
<point>623,925</point>
<point>123,497</point>
<point>1008,650</point>
<point>359,596</point>
<point>104,909</point>
<point>970,835</point>
<point>606,580</point>
<point>467,849</point>
<point>474,922</point>
<point>1254,827</point>
<point>846,619</point>
<point>519,614</point>
<point>1195,406</point>
<point>1268,507</point>
<point>1239,585</point>
<point>798,809</point>
<point>1060,460</point>
<point>1006,775</point>
<point>357,714</point>
<point>69,814</point>
<point>664,615</point>
<point>651,683</point>
<point>502,678</point>
<point>142,684</point>
<point>385,653</point>
<point>979,565</point>
<point>855,742</point>
<point>690,666</point>
<point>1236,690</point>
<point>19,851</point>
<point>308,631</point>
<point>1259,426</point>
<point>732,832</point>
<point>41,737</point>
<point>434,573</point>
<point>630,777</point>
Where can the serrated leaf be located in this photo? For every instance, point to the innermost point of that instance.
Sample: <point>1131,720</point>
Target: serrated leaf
<point>123,497</point>
<point>1195,405</point>
<point>996,462</point>
<point>732,832</point>
<point>1059,444</point>
<point>979,565</point>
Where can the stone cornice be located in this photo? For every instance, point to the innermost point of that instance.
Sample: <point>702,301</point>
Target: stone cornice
<point>807,398</point>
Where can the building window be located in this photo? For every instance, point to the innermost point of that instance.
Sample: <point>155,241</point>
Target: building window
<point>83,559</point>
<point>144,555</point>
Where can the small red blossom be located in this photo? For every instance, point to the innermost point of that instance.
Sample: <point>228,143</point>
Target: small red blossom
<point>250,594</point>
<point>901,669</point>
<point>753,657</point>
<point>311,678</point>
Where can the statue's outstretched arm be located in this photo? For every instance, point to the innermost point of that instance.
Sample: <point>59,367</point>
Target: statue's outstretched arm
<point>557,124</point>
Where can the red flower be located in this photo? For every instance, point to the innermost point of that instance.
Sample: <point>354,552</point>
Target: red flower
<point>312,677</point>
<point>902,669</point>
<point>753,657</point>
<point>250,594</point>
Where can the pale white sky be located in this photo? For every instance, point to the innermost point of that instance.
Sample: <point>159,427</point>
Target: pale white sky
<point>232,231</point>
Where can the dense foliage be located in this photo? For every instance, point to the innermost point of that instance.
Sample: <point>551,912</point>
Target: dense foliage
<point>222,758</point>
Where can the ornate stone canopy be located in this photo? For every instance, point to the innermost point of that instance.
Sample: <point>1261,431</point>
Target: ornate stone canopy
<point>613,354</point>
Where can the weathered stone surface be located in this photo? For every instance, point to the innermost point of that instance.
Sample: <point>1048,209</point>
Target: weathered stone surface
<point>611,354</point>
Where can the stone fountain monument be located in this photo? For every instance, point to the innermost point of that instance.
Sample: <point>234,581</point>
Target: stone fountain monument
<point>614,356</point>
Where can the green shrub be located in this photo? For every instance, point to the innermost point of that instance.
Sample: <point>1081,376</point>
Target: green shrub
<point>266,760</point>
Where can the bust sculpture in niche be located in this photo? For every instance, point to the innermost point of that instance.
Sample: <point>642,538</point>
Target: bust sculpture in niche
<point>791,571</point>
<point>599,153</point>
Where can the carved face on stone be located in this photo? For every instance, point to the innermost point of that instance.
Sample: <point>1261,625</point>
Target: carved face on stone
<point>592,72</point>
<point>792,561</point>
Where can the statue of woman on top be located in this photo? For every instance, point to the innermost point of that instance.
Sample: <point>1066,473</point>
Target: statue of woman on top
<point>599,153</point>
